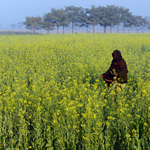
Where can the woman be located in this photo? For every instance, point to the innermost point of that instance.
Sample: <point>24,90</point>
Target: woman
<point>117,69</point>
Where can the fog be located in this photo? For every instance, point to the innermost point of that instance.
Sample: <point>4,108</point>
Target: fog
<point>14,11</point>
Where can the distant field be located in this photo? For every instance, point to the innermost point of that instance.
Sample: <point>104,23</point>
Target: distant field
<point>69,30</point>
<point>51,96</point>
<point>14,33</point>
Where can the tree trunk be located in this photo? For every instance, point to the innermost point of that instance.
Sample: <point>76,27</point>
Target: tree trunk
<point>104,29</point>
<point>118,28</point>
<point>32,29</point>
<point>137,30</point>
<point>48,31</point>
<point>93,28</point>
<point>57,30</point>
<point>72,27</point>
<point>128,30</point>
<point>87,29</point>
<point>110,29</point>
<point>123,28</point>
<point>63,29</point>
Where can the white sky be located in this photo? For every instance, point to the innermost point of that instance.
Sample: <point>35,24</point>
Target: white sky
<point>14,11</point>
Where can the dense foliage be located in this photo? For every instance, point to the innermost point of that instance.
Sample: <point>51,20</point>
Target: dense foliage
<point>51,96</point>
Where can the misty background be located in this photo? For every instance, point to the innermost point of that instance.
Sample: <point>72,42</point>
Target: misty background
<point>12,12</point>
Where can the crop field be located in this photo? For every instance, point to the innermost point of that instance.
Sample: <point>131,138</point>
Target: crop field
<point>51,96</point>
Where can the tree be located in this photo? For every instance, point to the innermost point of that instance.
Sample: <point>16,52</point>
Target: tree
<point>84,20</point>
<point>73,14</point>
<point>33,23</point>
<point>120,12</point>
<point>108,17</point>
<point>60,18</point>
<point>148,26</point>
<point>122,16</point>
<point>126,18</point>
<point>56,18</point>
<point>128,22</point>
<point>93,16</point>
<point>64,19</point>
<point>48,22</point>
<point>138,21</point>
<point>19,24</point>
<point>13,25</point>
<point>148,21</point>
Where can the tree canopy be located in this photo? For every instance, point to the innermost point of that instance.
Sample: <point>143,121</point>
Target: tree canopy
<point>48,22</point>
<point>93,16</point>
<point>108,16</point>
<point>32,23</point>
<point>73,15</point>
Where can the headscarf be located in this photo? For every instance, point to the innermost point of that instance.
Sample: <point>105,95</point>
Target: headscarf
<point>118,56</point>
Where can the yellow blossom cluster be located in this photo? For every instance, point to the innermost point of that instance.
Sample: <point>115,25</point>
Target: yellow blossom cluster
<point>51,96</point>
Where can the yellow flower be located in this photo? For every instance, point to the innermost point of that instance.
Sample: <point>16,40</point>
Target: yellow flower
<point>127,136</point>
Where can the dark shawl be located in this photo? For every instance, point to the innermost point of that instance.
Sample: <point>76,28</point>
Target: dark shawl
<point>120,67</point>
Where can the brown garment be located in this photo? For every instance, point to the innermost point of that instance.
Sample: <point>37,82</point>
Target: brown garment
<point>119,66</point>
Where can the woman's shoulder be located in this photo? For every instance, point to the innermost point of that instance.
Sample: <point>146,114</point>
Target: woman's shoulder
<point>122,61</point>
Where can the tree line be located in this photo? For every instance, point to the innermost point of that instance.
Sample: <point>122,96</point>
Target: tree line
<point>108,16</point>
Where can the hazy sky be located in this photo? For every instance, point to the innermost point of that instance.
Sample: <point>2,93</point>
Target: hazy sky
<point>14,11</point>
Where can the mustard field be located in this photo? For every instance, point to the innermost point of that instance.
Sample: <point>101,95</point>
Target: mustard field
<point>51,96</point>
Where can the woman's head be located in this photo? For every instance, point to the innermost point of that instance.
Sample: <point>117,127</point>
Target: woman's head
<point>116,55</point>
